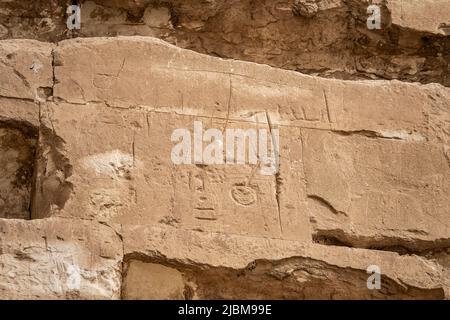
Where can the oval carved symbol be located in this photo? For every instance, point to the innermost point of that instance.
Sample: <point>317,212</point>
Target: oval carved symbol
<point>243,195</point>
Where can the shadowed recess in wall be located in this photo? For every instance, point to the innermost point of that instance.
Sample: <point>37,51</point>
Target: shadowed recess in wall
<point>33,171</point>
<point>292,278</point>
<point>18,142</point>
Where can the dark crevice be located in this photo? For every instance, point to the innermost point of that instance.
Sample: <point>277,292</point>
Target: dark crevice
<point>326,204</point>
<point>52,190</point>
<point>33,170</point>
<point>425,248</point>
<point>289,278</point>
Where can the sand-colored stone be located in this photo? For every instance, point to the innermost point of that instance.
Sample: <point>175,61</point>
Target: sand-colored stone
<point>364,179</point>
<point>59,259</point>
<point>26,68</point>
<point>276,269</point>
<point>425,15</point>
<point>151,281</point>
<point>332,41</point>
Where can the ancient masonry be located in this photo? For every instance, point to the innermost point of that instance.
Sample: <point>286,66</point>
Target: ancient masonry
<point>93,207</point>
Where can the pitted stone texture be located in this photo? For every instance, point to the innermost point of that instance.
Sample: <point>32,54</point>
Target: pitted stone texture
<point>59,259</point>
<point>26,69</point>
<point>329,38</point>
<point>363,180</point>
<point>305,8</point>
<point>367,154</point>
<point>130,178</point>
<point>257,268</point>
<point>425,15</point>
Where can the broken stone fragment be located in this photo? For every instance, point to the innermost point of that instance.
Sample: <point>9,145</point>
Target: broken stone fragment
<point>305,8</point>
<point>326,44</point>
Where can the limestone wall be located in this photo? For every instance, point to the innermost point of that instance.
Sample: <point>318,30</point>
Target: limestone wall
<point>93,206</point>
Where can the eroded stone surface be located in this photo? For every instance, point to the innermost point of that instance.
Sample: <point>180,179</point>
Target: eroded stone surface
<point>363,179</point>
<point>150,281</point>
<point>376,189</point>
<point>59,259</point>
<point>257,268</point>
<point>429,15</point>
<point>26,68</point>
<point>321,37</point>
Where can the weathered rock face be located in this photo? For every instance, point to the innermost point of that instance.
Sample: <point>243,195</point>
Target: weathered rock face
<point>363,179</point>
<point>59,259</point>
<point>94,206</point>
<point>320,37</point>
